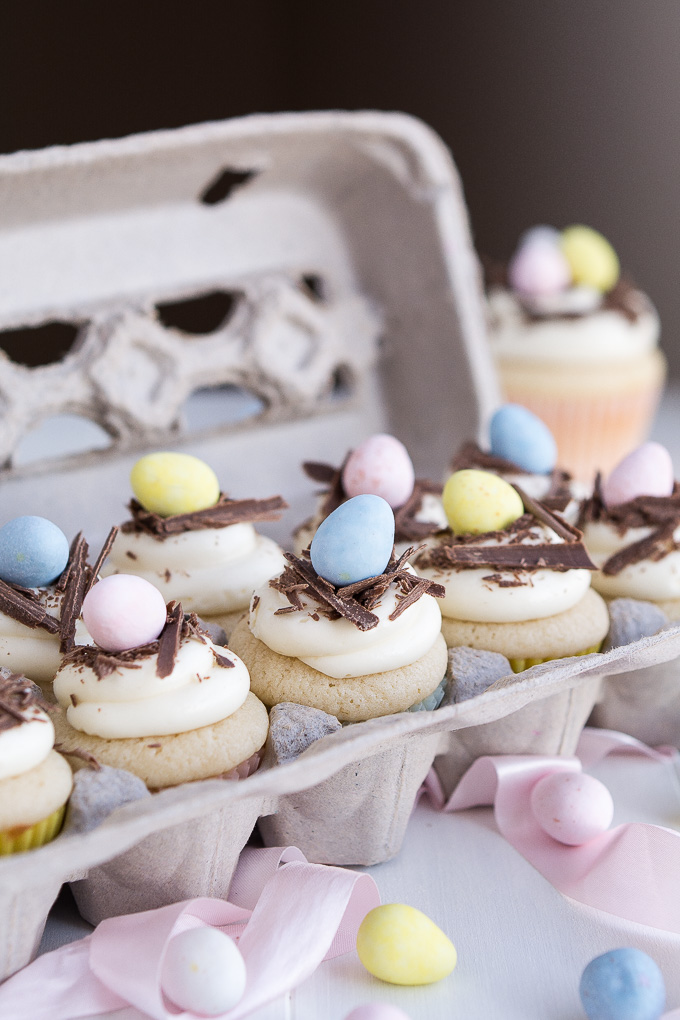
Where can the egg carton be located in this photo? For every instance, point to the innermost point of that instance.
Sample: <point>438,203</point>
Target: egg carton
<point>336,249</point>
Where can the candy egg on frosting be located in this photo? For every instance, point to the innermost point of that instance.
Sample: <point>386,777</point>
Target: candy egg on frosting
<point>647,471</point>
<point>377,1011</point>
<point>538,266</point>
<point>174,483</point>
<point>592,260</point>
<point>123,611</point>
<point>33,552</point>
<point>203,971</point>
<point>572,807</point>
<point>380,466</point>
<point>355,541</point>
<point>477,501</point>
<point>402,946</point>
<point>518,435</point>
<point>623,984</point>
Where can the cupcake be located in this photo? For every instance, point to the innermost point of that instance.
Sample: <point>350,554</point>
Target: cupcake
<point>380,466</point>
<point>631,528</point>
<point>35,781</point>
<point>516,575</point>
<point>192,542</point>
<point>42,585</point>
<point>154,695</point>
<point>523,451</point>
<point>347,628</point>
<point>577,344</point>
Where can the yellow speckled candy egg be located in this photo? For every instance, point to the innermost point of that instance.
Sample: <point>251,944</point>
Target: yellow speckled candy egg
<point>174,483</point>
<point>477,501</point>
<point>400,944</point>
<point>592,260</point>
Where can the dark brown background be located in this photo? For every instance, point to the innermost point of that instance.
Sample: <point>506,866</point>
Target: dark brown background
<point>555,111</point>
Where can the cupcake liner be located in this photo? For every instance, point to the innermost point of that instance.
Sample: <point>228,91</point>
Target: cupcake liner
<point>519,665</point>
<point>30,837</point>
<point>592,432</point>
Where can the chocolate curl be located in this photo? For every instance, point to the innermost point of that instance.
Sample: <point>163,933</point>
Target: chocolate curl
<point>571,556</point>
<point>406,527</point>
<point>225,512</point>
<point>546,516</point>
<point>654,547</point>
<point>325,593</point>
<point>24,608</point>
<point>169,639</point>
<point>103,553</point>
<point>17,696</point>
<point>74,593</point>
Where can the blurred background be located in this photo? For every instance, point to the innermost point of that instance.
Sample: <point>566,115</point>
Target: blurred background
<point>555,112</point>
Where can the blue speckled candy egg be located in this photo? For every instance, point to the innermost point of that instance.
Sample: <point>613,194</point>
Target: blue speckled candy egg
<point>624,984</point>
<point>33,552</point>
<point>518,435</point>
<point>355,541</point>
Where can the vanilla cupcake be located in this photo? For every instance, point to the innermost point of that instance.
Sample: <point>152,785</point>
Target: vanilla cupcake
<point>380,466</point>
<point>577,344</point>
<point>193,543</point>
<point>516,575</point>
<point>349,629</point>
<point>155,696</point>
<point>35,781</point>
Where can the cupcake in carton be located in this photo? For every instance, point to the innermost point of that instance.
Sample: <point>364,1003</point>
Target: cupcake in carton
<point>352,633</point>
<point>197,546</point>
<point>631,527</point>
<point>157,698</point>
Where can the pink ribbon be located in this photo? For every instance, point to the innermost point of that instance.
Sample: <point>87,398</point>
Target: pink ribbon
<point>286,914</point>
<point>631,871</point>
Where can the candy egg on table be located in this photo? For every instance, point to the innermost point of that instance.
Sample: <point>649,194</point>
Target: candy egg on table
<point>477,501</point>
<point>624,984</point>
<point>377,1011</point>
<point>355,541</point>
<point>203,971</point>
<point>538,267</point>
<point>518,435</point>
<point>174,483</point>
<point>592,260</point>
<point>647,471</point>
<point>380,466</point>
<point>402,946</point>
<point>572,807</point>
<point>33,552</point>
<point>123,611</point>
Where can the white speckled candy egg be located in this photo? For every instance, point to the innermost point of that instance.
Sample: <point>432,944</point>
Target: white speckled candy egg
<point>203,972</point>
<point>124,611</point>
<point>380,466</point>
<point>572,807</point>
<point>647,471</point>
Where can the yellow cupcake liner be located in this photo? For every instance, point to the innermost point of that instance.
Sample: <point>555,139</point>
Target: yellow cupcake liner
<point>518,665</point>
<point>13,841</point>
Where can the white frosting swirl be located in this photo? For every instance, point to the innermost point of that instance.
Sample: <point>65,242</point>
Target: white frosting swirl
<point>214,570</point>
<point>541,593</point>
<point>336,647</point>
<point>133,701</point>
<point>601,335</point>
<point>25,746</point>
<point>648,579</point>
<point>34,651</point>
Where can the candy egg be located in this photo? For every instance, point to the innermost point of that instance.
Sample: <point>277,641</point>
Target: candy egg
<point>123,611</point>
<point>624,984</point>
<point>33,552</point>
<point>538,267</point>
<point>203,972</point>
<point>592,260</point>
<point>542,232</point>
<point>572,807</point>
<point>647,471</point>
<point>477,501</point>
<point>516,434</point>
<point>401,945</point>
<point>380,466</point>
<point>174,483</point>
<point>355,541</point>
<point>377,1011</point>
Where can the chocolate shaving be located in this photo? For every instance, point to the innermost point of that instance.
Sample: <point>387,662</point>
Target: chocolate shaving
<point>471,455</point>
<point>324,474</point>
<point>169,639</point>
<point>17,696</point>
<point>74,593</point>
<point>225,512</point>
<point>78,752</point>
<point>406,527</point>
<point>654,547</point>
<point>103,553</point>
<point>546,516</point>
<point>503,582</point>
<point>19,606</point>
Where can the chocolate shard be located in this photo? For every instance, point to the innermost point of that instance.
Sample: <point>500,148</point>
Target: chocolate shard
<point>17,696</point>
<point>325,593</point>
<point>24,609</point>
<point>103,553</point>
<point>74,593</point>
<point>324,474</point>
<point>470,455</point>
<point>546,516</point>
<point>406,527</point>
<point>169,639</point>
<point>654,547</point>
<point>566,556</point>
<point>225,512</point>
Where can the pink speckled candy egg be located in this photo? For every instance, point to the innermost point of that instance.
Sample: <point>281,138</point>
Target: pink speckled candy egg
<point>538,267</point>
<point>572,807</point>
<point>647,471</point>
<point>123,611</point>
<point>380,466</point>
<point>377,1011</point>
